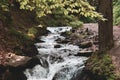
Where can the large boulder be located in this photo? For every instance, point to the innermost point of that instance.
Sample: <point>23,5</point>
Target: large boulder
<point>29,50</point>
<point>15,65</point>
<point>20,63</point>
<point>83,75</point>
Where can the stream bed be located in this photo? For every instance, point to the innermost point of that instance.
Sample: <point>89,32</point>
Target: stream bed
<point>58,61</point>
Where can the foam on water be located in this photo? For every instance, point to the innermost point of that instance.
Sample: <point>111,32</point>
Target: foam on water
<point>62,64</point>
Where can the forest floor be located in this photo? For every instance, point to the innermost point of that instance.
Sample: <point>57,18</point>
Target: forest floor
<point>115,51</point>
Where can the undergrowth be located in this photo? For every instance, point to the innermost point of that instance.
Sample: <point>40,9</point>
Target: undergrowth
<point>100,64</point>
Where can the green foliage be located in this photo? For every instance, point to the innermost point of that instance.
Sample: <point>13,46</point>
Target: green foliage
<point>59,19</point>
<point>19,34</point>
<point>4,5</point>
<point>44,7</point>
<point>4,9</point>
<point>116,13</point>
<point>101,65</point>
<point>76,24</point>
<point>88,19</point>
<point>32,31</point>
<point>61,9</point>
<point>19,41</point>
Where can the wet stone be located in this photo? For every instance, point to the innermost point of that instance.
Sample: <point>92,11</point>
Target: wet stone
<point>57,46</point>
<point>85,44</point>
<point>85,53</point>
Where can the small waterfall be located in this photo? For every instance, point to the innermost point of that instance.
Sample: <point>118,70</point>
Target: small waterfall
<point>56,63</point>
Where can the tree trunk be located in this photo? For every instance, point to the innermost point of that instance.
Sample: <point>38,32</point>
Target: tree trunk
<point>106,27</point>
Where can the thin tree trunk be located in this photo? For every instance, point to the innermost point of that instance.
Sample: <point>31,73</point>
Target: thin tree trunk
<point>106,27</point>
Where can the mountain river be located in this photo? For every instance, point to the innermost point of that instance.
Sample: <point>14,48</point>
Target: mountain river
<point>57,63</point>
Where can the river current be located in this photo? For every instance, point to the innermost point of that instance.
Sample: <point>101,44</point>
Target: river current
<point>57,63</point>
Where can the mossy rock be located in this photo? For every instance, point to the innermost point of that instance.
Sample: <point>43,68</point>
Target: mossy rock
<point>100,65</point>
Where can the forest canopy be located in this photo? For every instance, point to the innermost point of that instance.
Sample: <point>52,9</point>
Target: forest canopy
<point>66,7</point>
<point>44,7</point>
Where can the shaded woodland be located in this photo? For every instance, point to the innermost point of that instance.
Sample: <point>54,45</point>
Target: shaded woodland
<point>22,22</point>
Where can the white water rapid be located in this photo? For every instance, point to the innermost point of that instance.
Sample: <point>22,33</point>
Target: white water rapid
<point>56,63</point>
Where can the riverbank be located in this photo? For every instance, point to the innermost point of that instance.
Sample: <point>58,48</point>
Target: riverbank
<point>18,33</point>
<point>105,65</point>
<point>98,67</point>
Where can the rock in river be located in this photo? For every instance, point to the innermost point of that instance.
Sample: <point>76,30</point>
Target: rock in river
<point>14,66</point>
<point>85,53</point>
<point>57,46</point>
<point>85,44</point>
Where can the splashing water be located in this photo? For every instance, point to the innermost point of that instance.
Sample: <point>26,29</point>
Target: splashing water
<point>56,63</point>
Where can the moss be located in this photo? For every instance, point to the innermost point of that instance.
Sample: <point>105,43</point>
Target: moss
<point>101,66</point>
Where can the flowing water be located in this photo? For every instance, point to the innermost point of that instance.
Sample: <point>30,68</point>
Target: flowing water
<point>56,63</point>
